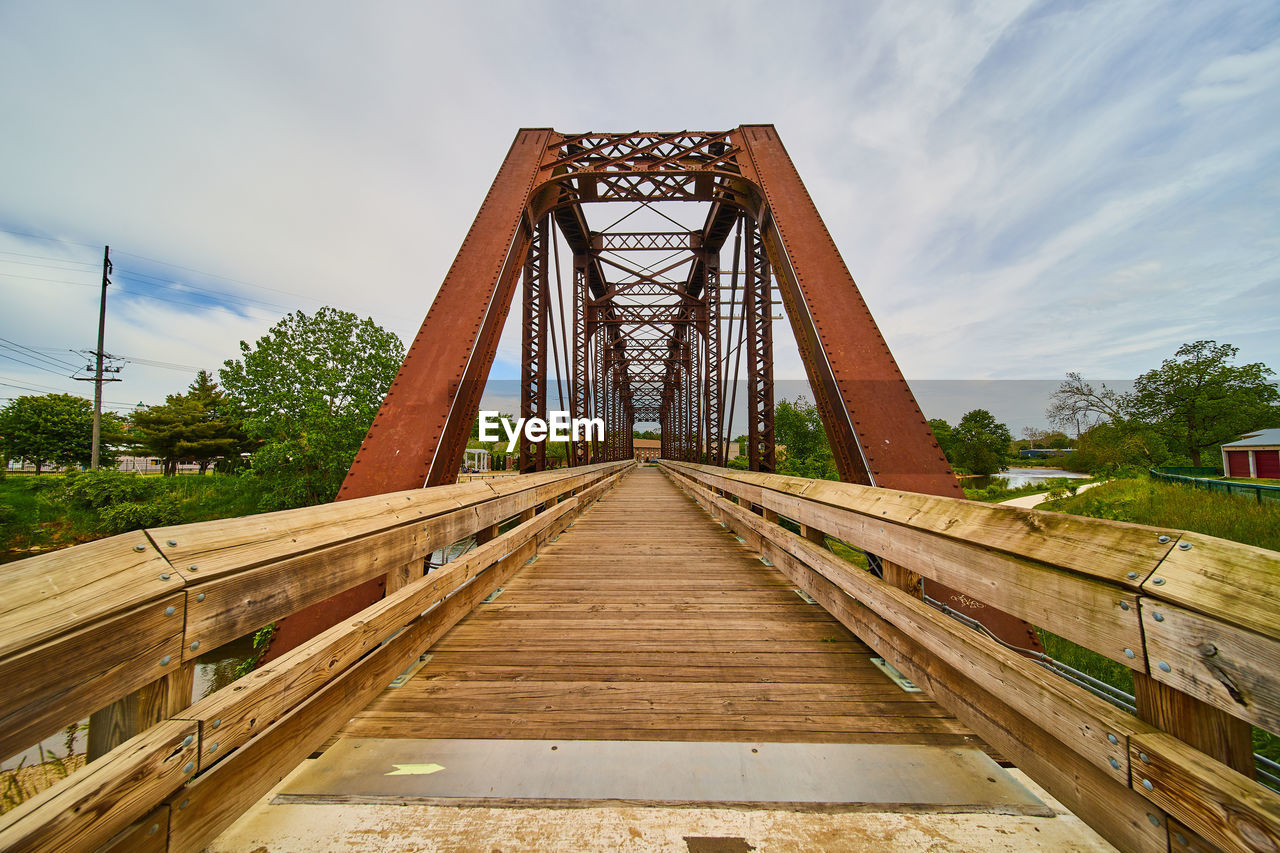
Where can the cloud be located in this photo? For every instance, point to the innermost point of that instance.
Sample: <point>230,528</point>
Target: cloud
<point>1019,188</point>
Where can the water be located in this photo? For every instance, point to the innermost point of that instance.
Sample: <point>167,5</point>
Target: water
<point>1015,477</point>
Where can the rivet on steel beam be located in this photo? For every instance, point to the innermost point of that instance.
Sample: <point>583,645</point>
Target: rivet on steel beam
<point>1164,667</point>
<point>164,577</point>
<point>1113,739</point>
<point>1184,546</point>
<point>188,767</point>
<point>139,547</point>
<point>1145,759</point>
<point>200,596</point>
<point>1146,783</point>
<point>195,645</point>
<point>217,722</point>
<point>1124,605</point>
<point>186,741</point>
<point>164,661</point>
<point>1159,617</point>
<point>168,611</point>
<point>1128,653</point>
<point>1158,581</point>
<point>1115,765</point>
<point>1132,576</point>
<point>1155,821</point>
<point>1163,540</point>
<point>173,542</point>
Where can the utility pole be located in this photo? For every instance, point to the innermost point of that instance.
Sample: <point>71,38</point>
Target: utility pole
<point>97,374</point>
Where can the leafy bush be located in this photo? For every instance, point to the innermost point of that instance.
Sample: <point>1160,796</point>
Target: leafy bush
<point>97,490</point>
<point>134,515</point>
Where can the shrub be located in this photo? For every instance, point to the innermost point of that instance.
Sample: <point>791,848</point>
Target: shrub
<point>97,490</point>
<point>135,515</point>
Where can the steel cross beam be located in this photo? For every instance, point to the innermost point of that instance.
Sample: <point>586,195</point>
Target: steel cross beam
<point>533,362</point>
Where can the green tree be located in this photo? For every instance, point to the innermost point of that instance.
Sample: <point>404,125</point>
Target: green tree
<point>1199,399</point>
<point>198,426</point>
<point>982,442</point>
<point>1077,405</point>
<point>309,390</point>
<point>798,425</point>
<point>55,428</point>
<point>1107,447</point>
<point>946,439</point>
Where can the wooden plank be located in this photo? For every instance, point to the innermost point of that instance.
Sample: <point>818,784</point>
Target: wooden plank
<point>149,835</point>
<point>1225,807</point>
<point>214,800</point>
<point>1079,720</point>
<point>1097,615</point>
<point>63,591</point>
<point>65,679</point>
<point>1213,732</point>
<point>1234,583</point>
<point>1106,550</point>
<point>246,707</point>
<point>90,807</point>
<point>1230,668</point>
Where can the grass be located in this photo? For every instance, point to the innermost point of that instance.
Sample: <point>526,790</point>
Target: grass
<point>1252,481</point>
<point>1144,501</point>
<point>37,514</point>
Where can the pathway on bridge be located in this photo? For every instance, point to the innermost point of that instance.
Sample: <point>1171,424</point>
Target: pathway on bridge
<point>647,620</point>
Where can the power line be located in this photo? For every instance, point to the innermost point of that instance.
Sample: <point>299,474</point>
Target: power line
<point>28,351</point>
<point>37,366</point>
<point>182,287</point>
<point>222,277</point>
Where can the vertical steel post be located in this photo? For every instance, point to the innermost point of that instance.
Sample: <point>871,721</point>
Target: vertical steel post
<point>533,362</point>
<point>711,371</point>
<point>580,394</point>
<point>759,353</point>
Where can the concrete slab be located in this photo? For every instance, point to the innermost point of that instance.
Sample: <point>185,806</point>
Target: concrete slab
<point>809,776</point>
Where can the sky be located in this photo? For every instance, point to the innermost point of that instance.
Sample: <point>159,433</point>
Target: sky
<point>1020,189</point>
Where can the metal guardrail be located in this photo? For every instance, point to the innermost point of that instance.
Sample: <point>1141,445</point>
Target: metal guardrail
<point>1260,492</point>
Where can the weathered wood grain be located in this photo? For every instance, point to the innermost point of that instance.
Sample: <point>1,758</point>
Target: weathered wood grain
<point>89,808</point>
<point>1230,582</point>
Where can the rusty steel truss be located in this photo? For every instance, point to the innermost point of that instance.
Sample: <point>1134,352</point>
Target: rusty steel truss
<point>661,322</point>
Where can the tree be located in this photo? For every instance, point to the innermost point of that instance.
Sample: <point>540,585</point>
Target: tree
<point>199,426</point>
<point>309,390</point>
<point>1078,405</point>
<point>1198,399</point>
<point>55,428</point>
<point>982,442</point>
<point>798,425</point>
<point>1107,447</point>
<point>946,439</point>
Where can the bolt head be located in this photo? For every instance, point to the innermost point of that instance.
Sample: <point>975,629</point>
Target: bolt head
<point>1184,546</point>
<point>1155,821</point>
<point>195,645</point>
<point>155,827</point>
<point>1124,605</point>
<point>184,804</point>
<point>1115,765</point>
<point>139,547</point>
<point>168,611</point>
<point>172,542</point>
<point>193,568</point>
<point>1146,783</point>
<point>186,741</point>
<point>164,577</point>
<point>164,661</point>
<point>1159,617</point>
<point>1162,539</point>
<point>217,722</point>
<point>1158,581</point>
<point>1132,576</point>
<point>1164,667</point>
<point>1113,739</point>
<point>200,596</point>
<point>188,767</point>
<point>1145,759</point>
<point>1128,653</point>
<point>213,748</point>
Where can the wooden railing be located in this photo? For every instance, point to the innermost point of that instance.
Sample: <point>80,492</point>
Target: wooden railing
<point>1197,619</point>
<point>112,628</point>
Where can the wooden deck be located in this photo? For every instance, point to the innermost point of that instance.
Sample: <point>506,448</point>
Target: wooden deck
<point>647,620</point>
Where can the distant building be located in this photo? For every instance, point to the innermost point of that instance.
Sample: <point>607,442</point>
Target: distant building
<point>1044,452</point>
<point>1256,454</point>
<point>647,449</point>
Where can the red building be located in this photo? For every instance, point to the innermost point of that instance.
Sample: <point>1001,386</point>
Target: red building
<point>1256,454</point>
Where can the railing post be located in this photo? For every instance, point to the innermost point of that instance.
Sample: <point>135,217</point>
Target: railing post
<point>160,700</point>
<point>902,578</point>
<point>815,536</point>
<point>1215,733</point>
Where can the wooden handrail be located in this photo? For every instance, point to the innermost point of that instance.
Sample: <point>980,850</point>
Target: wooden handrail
<point>1188,613</point>
<point>86,626</point>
